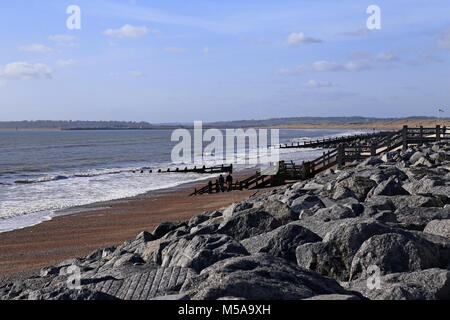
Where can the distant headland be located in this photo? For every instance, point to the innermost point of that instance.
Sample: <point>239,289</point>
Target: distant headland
<point>352,122</point>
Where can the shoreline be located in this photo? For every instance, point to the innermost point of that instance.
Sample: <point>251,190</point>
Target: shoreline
<point>80,230</point>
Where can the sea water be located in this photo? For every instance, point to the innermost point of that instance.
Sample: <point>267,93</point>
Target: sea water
<point>43,172</point>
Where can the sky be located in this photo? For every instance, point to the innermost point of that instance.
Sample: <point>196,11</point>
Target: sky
<point>180,61</point>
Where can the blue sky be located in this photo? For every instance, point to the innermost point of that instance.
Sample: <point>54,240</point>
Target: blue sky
<point>170,61</point>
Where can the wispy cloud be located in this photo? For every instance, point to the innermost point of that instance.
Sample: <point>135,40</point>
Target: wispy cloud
<point>318,66</point>
<point>366,62</point>
<point>62,38</point>
<point>37,48</point>
<point>137,74</point>
<point>65,63</point>
<point>425,59</point>
<point>65,40</point>
<point>127,31</point>
<point>318,84</point>
<point>295,39</point>
<point>25,71</point>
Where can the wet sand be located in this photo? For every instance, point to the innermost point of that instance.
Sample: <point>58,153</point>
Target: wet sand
<point>23,252</point>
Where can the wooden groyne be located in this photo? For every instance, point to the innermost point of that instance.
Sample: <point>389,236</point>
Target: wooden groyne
<point>356,149</point>
<point>330,142</point>
<point>203,170</point>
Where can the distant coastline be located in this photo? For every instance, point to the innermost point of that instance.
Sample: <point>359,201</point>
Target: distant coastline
<point>278,123</point>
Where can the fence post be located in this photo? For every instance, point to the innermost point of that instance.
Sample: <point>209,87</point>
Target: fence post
<point>421,135</point>
<point>307,170</point>
<point>373,150</point>
<point>341,156</point>
<point>405,137</point>
<point>438,132</point>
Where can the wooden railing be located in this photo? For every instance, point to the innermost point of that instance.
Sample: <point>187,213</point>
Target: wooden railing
<point>338,157</point>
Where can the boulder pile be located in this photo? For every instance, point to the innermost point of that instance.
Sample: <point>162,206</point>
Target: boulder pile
<point>377,229</point>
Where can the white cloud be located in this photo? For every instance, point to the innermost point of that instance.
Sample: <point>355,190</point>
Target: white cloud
<point>175,50</point>
<point>206,49</point>
<point>366,62</point>
<point>127,31</point>
<point>38,48</point>
<point>444,39</point>
<point>318,66</point>
<point>299,38</point>
<point>62,38</point>
<point>66,63</point>
<point>386,57</point>
<point>318,84</point>
<point>322,66</point>
<point>137,74</point>
<point>65,40</point>
<point>26,70</point>
<point>425,59</point>
<point>357,65</point>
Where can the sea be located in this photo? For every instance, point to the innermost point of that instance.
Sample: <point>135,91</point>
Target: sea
<point>44,173</point>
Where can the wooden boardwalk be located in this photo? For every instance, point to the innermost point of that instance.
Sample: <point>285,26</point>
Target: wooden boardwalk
<point>356,149</point>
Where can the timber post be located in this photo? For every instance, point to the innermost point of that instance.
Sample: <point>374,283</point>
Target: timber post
<point>405,137</point>
<point>341,156</point>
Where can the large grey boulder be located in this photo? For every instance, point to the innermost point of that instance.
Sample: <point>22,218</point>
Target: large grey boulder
<point>144,286</point>
<point>166,227</point>
<point>379,203</point>
<point>321,227</point>
<point>394,253</point>
<point>383,203</point>
<point>424,185</point>
<point>306,202</point>
<point>281,242</point>
<point>341,192</point>
<point>416,156</point>
<point>249,223</point>
<point>418,218</point>
<point>322,258</point>
<point>235,208</point>
<point>136,245</point>
<point>333,257</point>
<point>414,201</point>
<point>336,212</point>
<point>259,277</point>
<point>280,211</point>
<point>20,290</point>
<point>359,185</point>
<point>198,251</point>
<point>430,284</point>
<point>207,227</point>
<point>389,187</point>
<point>202,218</point>
<point>439,228</point>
